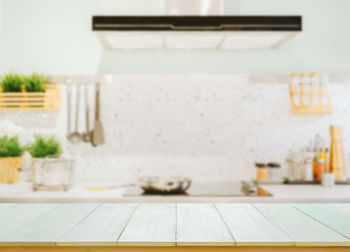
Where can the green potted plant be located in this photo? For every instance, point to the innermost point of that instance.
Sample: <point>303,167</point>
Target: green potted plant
<point>12,83</point>
<point>28,92</point>
<point>45,147</point>
<point>10,159</point>
<point>35,83</point>
<point>49,170</point>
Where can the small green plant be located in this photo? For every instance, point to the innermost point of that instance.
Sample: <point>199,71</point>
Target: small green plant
<point>45,146</point>
<point>10,147</point>
<point>12,83</point>
<point>35,83</point>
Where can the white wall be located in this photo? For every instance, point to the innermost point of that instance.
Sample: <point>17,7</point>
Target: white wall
<point>133,7</point>
<point>207,126</point>
<point>49,36</point>
<point>54,36</point>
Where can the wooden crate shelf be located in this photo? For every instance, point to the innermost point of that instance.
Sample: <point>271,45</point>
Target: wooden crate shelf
<point>48,100</point>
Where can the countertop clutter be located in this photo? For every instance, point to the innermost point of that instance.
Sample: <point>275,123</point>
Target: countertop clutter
<point>22,193</point>
<point>132,227</point>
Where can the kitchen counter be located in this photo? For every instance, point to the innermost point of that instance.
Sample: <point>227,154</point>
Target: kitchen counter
<point>22,193</point>
<point>169,227</point>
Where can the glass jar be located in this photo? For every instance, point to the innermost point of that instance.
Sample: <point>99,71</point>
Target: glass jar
<point>274,172</point>
<point>261,172</point>
<point>52,173</point>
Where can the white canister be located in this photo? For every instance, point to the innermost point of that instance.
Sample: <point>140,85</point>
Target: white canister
<point>327,179</point>
<point>274,172</point>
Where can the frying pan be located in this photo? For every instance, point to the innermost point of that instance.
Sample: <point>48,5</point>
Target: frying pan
<point>164,185</point>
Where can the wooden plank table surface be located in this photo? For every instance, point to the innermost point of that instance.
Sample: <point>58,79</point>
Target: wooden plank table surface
<point>169,227</point>
<point>201,225</point>
<point>151,225</point>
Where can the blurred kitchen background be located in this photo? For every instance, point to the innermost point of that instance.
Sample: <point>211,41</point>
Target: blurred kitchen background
<point>206,114</point>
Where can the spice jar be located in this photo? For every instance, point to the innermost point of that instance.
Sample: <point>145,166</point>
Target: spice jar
<point>320,169</point>
<point>274,172</point>
<point>261,172</point>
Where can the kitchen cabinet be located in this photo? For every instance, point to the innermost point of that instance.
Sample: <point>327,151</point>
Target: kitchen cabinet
<point>171,227</point>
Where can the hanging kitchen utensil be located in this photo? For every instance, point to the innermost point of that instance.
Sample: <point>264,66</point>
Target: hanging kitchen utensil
<point>76,137</point>
<point>87,134</point>
<point>97,137</point>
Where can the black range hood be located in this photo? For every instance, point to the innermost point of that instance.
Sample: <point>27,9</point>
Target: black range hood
<point>190,32</point>
<point>196,23</point>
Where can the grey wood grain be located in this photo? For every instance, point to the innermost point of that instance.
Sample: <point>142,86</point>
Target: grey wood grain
<point>304,230</point>
<point>5,206</point>
<point>21,214</point>
<point>329,215</point>
<point>342,207</point>
<point>201,225</point>
<point>250,228</point>
<point>46,229</point>
<point>101,228</point>
<point>168,225</point>
<point>151,225</point>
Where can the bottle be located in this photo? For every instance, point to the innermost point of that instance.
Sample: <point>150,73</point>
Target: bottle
<point>326,160</point>
<point>294,166</point>
<point>324,156</point>
<point>317,148</point>
<point>319,169</point>
<point>337,160</point>
<point>327,177</point>
<point>308,162</point>
<point>308,174</point>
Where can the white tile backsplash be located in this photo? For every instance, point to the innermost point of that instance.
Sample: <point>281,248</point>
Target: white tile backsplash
<point>206,126</point>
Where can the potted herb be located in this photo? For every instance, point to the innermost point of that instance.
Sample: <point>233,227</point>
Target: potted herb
<point>45,147</point>
<point>28,92</point>
<point>49,170</point>
<point>35,83</point>
<point>12,83</point>
<point>10,159</point>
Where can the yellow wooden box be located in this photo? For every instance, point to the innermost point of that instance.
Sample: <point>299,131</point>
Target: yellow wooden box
<point>9,169</point>
<point>48,100</point>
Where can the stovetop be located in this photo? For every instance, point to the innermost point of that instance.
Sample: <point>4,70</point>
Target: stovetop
<point>207,189</point>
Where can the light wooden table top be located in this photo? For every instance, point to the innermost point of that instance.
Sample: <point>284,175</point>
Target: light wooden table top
<point>169,225</point>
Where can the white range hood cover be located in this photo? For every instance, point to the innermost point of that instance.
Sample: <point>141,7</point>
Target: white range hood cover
<point>193,40</point>
<point>195,32</point>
